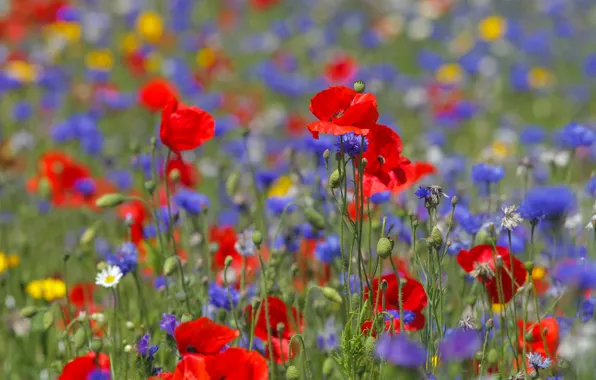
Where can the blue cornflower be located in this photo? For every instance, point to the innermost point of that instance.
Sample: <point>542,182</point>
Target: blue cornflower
<point>352,144</point>
<point>551,202</point>
<point>587,309</point>
<point>485,173</point>
<point>308,232</point>
<point>380,198</point>
<point>400,351</point>
<point>532,134</point>
<point>143,347</point>
<point>218,297</point>
<point>168,323</point>
<point>327,338</point>
<point>191,201</point>
<point>22,111</point>
<point>577,273</point>
<point>538,361</point>
<point>575,135</point>
<point>160,282</point>
<point>591,186</point>
<point>459,345</point>
<point>99,374</point>
<point>422,192</point>
<point>276,205</point>
<point>122,178</point>
<point>409,316</point>
<point>329,250</point>
<point>85,186</point>
<point>126,258</point>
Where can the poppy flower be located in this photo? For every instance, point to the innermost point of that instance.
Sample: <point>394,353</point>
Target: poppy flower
<point>386,168</point>
<point>203,336</point>
<point>155,94</point>
<point>278,315</point>
<point>481,263</point>
<point>185,128</point>
<point>341,70</point>
<point>80,367</point>
<point>534,333</point>
<point>342,110</point>
<point>248,365</point>
<point>262,5</point>
<point>137,214</point>
<point>189,367</point>
<point>188,173</point>
<point>414,299</point>
<point>80,295</point>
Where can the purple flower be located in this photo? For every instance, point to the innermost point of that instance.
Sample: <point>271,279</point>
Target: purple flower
<point>577,273</point>
<point>168,323</point>
<point>99,374</point>
<point>460,344</point>
<point>143,347</point>
<point>400,351</point>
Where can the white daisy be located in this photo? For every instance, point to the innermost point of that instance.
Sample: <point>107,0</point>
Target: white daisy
<point>110,277</point>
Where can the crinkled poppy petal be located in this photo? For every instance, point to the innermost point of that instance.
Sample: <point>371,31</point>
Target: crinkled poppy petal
<point>363,114</point>
<point>382,142</point>
<point>465,260</point>
<point>80,367</point>
<point>373,183</point>
<point>203,336</point>
<point>191,367</point>
<point>327,104</point>
<point>248,365</point>
<point>418,322</point>
<point>407,176</point>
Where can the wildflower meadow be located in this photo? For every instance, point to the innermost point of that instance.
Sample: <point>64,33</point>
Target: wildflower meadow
<point>298,189</point>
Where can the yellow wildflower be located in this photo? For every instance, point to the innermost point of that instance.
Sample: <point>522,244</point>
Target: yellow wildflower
<point>48,289</point>
<point>22,71</point>
<point>3,263</point>
<point>205,57</point>
<point>498,307</point>
<point>101,60</point>
<point>153,62</point>
<point>492,28</point>
<point>130,43</point>
<point>500,149</point>
<point>280,187</point>
<point>449,73</point>
<point>150,26</point>
<point>540,77</point>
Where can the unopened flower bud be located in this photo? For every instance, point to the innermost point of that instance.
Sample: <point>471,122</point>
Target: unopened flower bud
<point>170,265</point>
<point>529,337</point>
<point>294,270</point>
<point>135,147</point>
<point>174,175</point>
<point>130,325</point>
<point>334,179</point>
<point>384,285</point>
<point>369,346</point>
<point>489,323</point>
<point>364,161</point>
<point>44,188</point>
<point>149,186</point>
<point>96,345</point>
<point>186,317</point>
<point>359,86</point>
<point>292,373</point>
<point>327,367</point>
<point>153,141</point>
<point>280,328</point>
<point>232,183</point>
<point>331,294</point>
<point>499,261</point>
<point>326,154</point>
<point>29,311</point>
<point>384,247</point>
<point>102,265</point>
<point>436,238</point>
<point>493,356</point>
<point>454,200</point>
<point>110,200</point>
<point>128,348</point>
<point>529,266</point>
<point>314,218</point>
<point>257,238</point>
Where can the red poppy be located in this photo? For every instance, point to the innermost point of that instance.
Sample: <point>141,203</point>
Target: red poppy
<point>480,262</point>
<point>80,367</point>
<point>136,62</point>
<point>155,94</point>
<point>190,367</point>
<point>341,70</point>
<point>137,214</point>
<point>203,336</point>
<point>534,333</point>
<point>263,4</point>
<point>248,365</point>
<point>386,169</point>
<point>278,315</point>
<point>185,128</point>
<point>188,173</point>
<point>414,298</point>
<point>80,295</point>
<point>342,110</point>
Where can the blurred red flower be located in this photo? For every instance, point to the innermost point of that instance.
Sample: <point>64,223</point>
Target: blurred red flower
<point>155,94</point>
<point>534,333</point>
<point>79,368</point>
<point>341,70</point>
<point>203,336</point>
<point>185,128</point>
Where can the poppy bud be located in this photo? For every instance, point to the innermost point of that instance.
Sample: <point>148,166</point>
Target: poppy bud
<point>79,338</point>
<point>326,154</point>
<point>364,161</point>
<point>29,311</point>
<point>110,200</point>
<point>174,175</point>
<point>228,261</point>
<point>491,229</point>
<point>454,200</point>
<point>88,236</point>
<point>292,373</point>
<point>384,285</point>
<point>327,367</point>
<point>96,345</point>
<point>186,317</point>
<point>314,218</point>
<point>529,266</point>
<point>255,302</point>
<point>489,323</point>
<point>369,346</point>
<point>499,261</point>
<point>48,319</point>
<point>170,265</point>
<point>102,265</point>
<point>335,179</point>
<point>280,328</point>
<point>331,294</point>
<point>257,238</point>
<point>359,86</point>
<point>415,223</point>
<point>384,247</point>
<point>153,141</point>
<point>149,186</point>
<point>232,183</point>
<point>529,337</point>
<point>436,238</point>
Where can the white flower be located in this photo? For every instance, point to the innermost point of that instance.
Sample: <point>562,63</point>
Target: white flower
<point>573,221</point>
<point>511,217</point>
<point>110,277</point>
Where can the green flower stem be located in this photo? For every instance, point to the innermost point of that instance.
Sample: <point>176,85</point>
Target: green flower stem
<point>307,370</point>
<point>141,299</point>
<point>264,296</point>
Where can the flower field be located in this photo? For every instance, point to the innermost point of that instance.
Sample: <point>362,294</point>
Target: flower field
<point>298,189</point>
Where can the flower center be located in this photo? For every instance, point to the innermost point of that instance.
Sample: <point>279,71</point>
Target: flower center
<point>110,279</point>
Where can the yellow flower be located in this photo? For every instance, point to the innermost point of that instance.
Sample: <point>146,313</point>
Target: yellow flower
<point>22,71</point>
<point>500,149</point>
<point>498,307</point>
<point>130,43</point>
<point>101,60</point>
<point>3,262</point>
<point>540,77</point>
<point>153,62</point>
<point>280,187</point>
<point>492,28</point>
<point>13,261</point>
<point>449,73</point>
<point>205,57</point>
<point>150,26</point>
<point>70,31</point>
<point>48,289</point>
